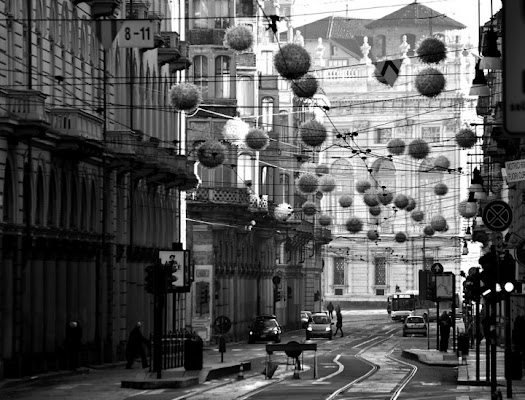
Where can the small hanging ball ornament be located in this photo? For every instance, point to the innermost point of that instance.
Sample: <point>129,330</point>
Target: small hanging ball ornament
<point>283,212</point>
<point>309,208</point>
<point>467,212</point>
<point>430,82</point>
<point>185,96</point>
<point>418,149</point>
<point>211,153</point>
<point>346,200</point>
<point>257,139</point>
<point>354,225</point>
<point>466,138</point>
<point>372,235</point>
<point>327,183</point>
<point>411,204</point>
<point>362,186</point>
<point>401,201</point>
<point>442,163</point>
<point>396,147</point>
<point>440,189</point>
<point>238,38</point>
<point>235,130</point>
<point>325,220</point>
<point>428,230</point>
<point>438,223</point>
<point>385,197</point>
<point>375,210</point>
<point>400,237</point>
<point>417,215</point>
<point>370,197</point>
<point>308,183</point>
<point>292,61</point>
<point>305,87</point>
<point>313,133</point>
<point>322,169</point>
<point>432,51</point>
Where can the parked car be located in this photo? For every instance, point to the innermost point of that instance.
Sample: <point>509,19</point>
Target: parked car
<point>265,327</point>
<point>320,326</point>
<point>306,317</point>
<point>414,324</point>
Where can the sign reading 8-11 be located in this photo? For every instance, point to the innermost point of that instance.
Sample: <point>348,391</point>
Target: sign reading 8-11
<point>136,33</point>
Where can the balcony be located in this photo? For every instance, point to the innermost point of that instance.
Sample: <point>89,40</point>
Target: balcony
<point>173,52</point>
<point>137,9</point>
<point>24,110</point>
<point>258,203</point>
<point>123,142</point>
<point>76,122</point>
<point>221,195</point>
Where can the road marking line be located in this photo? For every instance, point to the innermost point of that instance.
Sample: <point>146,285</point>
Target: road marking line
<point>339,370</point>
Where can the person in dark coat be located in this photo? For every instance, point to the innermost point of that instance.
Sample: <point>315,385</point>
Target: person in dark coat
<point>72,344</point>
<point>445,324</point>
<point>339,324</point>
<point>330,309</point>
<point>136,346</point>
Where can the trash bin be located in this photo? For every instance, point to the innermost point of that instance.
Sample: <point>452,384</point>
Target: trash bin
<point>516,371</point>
<point>193,348</point>
<point>463,344</point>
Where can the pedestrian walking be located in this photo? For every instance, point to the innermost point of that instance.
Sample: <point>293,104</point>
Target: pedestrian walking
<point>72,344</point>
<point>339,324</point>
<point>388,308</point>
<point>136,347</point>
<point>444,331</point>
<point>338,309</point>
<point>330,308</point>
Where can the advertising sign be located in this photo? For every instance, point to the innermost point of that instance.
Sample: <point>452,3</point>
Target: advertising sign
<point>515,171</point>
<point>176,261</point>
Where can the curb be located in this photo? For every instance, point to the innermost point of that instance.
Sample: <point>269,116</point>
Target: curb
<point>39,378</point>
<point>422,359</point>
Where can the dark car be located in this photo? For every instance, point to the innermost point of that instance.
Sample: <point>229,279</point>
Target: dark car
<point>265,327</point>
<point>414,324</point>
<point>306,318</point>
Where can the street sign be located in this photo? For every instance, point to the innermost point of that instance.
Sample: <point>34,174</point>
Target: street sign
<point>445,286</point>
<point>388,71</point>
<point>136,33</point>
<point>515,171</point>
<point>497,215</point>
<point>437,268</point>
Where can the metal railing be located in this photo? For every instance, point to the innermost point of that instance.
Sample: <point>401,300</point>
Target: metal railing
<point>172,349</point>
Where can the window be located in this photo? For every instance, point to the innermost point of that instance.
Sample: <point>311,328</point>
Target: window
<point>339,271</point>
<point>222,73</point>
<point>245,8</point>
<point>380,269</point>
<point>333,50</point>
<point>244,170</point>
<point>267,63</point>
<point>200,74</point>
<point>380,292</point>
<point>383,135</point>
<point>201,14</point>
<point>267,177</point>
<point>284,181</point>
<point>222,14</point>
<point>380,46</point>
<point>267,113</point>
<point>284,125</point>
<point>431,134</point>
<point>245,95</point>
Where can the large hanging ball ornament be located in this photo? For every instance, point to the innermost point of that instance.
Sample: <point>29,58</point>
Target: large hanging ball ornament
<point>185,96</point>
<point>438,223</point>
<point>354,225</point>
<point>238,38</point>
<point>305,87</point>
<point>235,130</point>
<point>362,186</point>
<point>257,139</point>
<point>418,149</point>
<point>440,189</point>
<point>372,235</point>
<point>466,138</point>
<point>401,201</point>
<point>370,197</point>
<point>430,82</point>
<point>467,212</point>
<point>346,200</point>
<point>313,133</point>
<point>432,51</point>
<point>283,212</point>
<point>375,210</point>
<point>325,220</point>
<point>322,169</point>
<point>417,215</point>
<point>309,208</point>
<point>428,230</point>
<point>400,237</point>
<point>396,146</point>
<point>442,163</point>
<point>327,183</point>
<point>308,183</point>
<point>385,197</point>
<point>292,61</point>
<point>211,153</point>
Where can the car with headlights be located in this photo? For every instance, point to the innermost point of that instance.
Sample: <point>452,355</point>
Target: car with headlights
<point>414,325</point>
<point>320,326</point>
<point>264,328</point>
<point>306,317</point>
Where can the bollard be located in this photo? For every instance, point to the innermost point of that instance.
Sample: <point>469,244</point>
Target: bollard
<point>240,376</point>
<point>296,371</point>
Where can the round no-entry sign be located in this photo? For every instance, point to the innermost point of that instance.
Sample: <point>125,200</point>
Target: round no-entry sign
<point>497,215</point>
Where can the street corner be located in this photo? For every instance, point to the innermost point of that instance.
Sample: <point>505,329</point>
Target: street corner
<point>431,357</point>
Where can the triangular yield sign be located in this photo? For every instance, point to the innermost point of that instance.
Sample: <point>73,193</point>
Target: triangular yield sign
<point>388,71</point>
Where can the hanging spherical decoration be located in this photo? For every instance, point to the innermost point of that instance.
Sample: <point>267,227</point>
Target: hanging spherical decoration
<point>362,186</point>
<point>325,220</point>
<point>257,139</point>
<point>309,208</point>
<point>442,163</point>
<point>354,225</point>
<point>322,169</point>
<point>467,212</point>
<point>346,200</point>
<point>370,197</point>
<point>375,210</point>
<point>401,201</point>
<point>211,153</point>
<point>418,149</point>
<point>466,138</point>
<point>438,223</point>
<point>480,236</point>
<point>283,212</point>
<point>385,197</point>
<point>411,204</point>
<point>428,230</point>
<point>235,130</point>
<point>292,61</point>
<point>305,87</point>
<point>396,146</point>
<point>432,51</point>
<point>238,38</point>
<point>372,235</point>
<point>417,215</point>
<point>185,96</point>
<point>307,183</point>
<point>313,133</point>
<point>440,189</point>
<point>430,82</point>
<point>400,237</point>
<point>327,183</point>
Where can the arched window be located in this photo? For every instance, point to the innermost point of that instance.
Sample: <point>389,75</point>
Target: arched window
<point>200,74</point>
<point>245,170</point>
<point>222,76</point>
<point>267,113</point>
<point>284,126</point>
